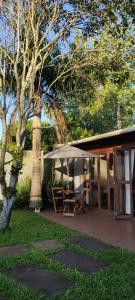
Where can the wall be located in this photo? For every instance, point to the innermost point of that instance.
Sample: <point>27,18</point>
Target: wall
<point>26,169</point>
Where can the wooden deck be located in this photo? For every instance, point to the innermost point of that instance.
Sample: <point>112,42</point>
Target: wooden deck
<point>99,224</point>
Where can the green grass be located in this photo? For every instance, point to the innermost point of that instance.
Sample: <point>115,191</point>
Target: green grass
<point>114,282</point>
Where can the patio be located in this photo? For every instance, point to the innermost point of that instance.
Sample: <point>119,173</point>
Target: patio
<point>99,224</point>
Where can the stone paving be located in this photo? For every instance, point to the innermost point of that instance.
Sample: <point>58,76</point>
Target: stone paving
<point>47,282</point>
<point>80,262</point>
<point>48,244</point>
<point>14,250</point>
<point>44,282</point>
<point>89,243</point>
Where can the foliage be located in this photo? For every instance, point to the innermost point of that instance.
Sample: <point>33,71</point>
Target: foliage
<point>23,193</point>
<point>95,92</point>
<point>48,136</point>
<point>8,192</point>
<point>60,183</point>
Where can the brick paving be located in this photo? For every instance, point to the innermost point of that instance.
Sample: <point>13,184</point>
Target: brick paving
<point>99,224</point>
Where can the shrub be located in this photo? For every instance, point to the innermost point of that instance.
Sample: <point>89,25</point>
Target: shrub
<point>23,193</point>
<point>60,182</point>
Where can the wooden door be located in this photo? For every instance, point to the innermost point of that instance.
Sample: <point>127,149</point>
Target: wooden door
<point>122,183</point>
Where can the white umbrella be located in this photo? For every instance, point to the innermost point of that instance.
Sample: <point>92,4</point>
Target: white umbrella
<point>68,152</point>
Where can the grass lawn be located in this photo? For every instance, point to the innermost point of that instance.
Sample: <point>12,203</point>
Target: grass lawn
<point>115,282</point>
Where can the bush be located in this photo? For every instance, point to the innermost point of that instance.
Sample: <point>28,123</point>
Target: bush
<point>60,182</point>
<point>23,193</point>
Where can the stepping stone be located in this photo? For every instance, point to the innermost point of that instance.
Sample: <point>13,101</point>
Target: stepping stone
<point>49,244</point>
<point>89,243</point>
<point>14,250</point>
<point>80,262</point>
<point>45,282</point>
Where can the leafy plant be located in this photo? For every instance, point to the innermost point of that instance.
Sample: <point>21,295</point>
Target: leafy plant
<point>23,193</point>
<point>60,182</point>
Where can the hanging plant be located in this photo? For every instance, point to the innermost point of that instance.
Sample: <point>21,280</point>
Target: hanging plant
<point>2,175</point>
<point>8,192</point>
<point>15,169</point>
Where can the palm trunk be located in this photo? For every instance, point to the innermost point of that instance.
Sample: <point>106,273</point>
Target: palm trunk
<point>35,197</point>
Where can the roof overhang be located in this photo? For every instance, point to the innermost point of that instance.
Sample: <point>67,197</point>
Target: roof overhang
<point>110,134</point>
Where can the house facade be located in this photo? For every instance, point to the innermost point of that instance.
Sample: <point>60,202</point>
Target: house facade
<point>111,174</point>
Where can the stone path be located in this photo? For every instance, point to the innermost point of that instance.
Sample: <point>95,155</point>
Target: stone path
<point>80,262</point>
<point>45,282</point>
<point>14,250</point>
<point>89,243</point>
<point>46,245</point>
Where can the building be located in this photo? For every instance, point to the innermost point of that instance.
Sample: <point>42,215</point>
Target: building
<point>111,175</point>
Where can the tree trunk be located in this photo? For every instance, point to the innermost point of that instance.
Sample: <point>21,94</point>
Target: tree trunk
<point>35,197</point>
<point>118,116</point>
<point>57,116</point>
<point>8,202</point>
<point>6,212</point>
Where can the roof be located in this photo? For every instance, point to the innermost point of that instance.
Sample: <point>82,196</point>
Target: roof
<point>106,135</point>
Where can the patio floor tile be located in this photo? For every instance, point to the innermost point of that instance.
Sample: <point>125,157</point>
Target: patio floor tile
<point>89,243</point>
<point>14,250</point>
<point>49,244</point>
<point>99,224</point>
<point>80,262</point>
<point>45,282</point>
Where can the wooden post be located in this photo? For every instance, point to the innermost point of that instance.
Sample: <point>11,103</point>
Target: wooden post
<point>99,182</point>
<point>108,183</point>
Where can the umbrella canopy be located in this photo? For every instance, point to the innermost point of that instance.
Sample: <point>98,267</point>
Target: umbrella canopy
<point>68,152</point>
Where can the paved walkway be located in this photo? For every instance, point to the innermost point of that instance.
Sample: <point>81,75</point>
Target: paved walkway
<point>99,224</point>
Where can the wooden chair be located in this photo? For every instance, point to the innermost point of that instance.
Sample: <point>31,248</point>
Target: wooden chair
<point>70,204</point>
<point>82,200</point>
<point>58,198</point>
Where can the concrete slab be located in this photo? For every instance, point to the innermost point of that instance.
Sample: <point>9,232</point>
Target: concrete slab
<point>45,282</point>
<point>89,243</point>
<point>49,244</point>
<point>14,250</point>
<point>80,262</point>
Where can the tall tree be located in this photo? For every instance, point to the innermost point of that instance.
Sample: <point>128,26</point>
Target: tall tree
<point>102,93</point>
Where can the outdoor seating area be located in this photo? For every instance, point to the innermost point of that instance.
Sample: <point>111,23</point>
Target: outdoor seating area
<point>69,202</point>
